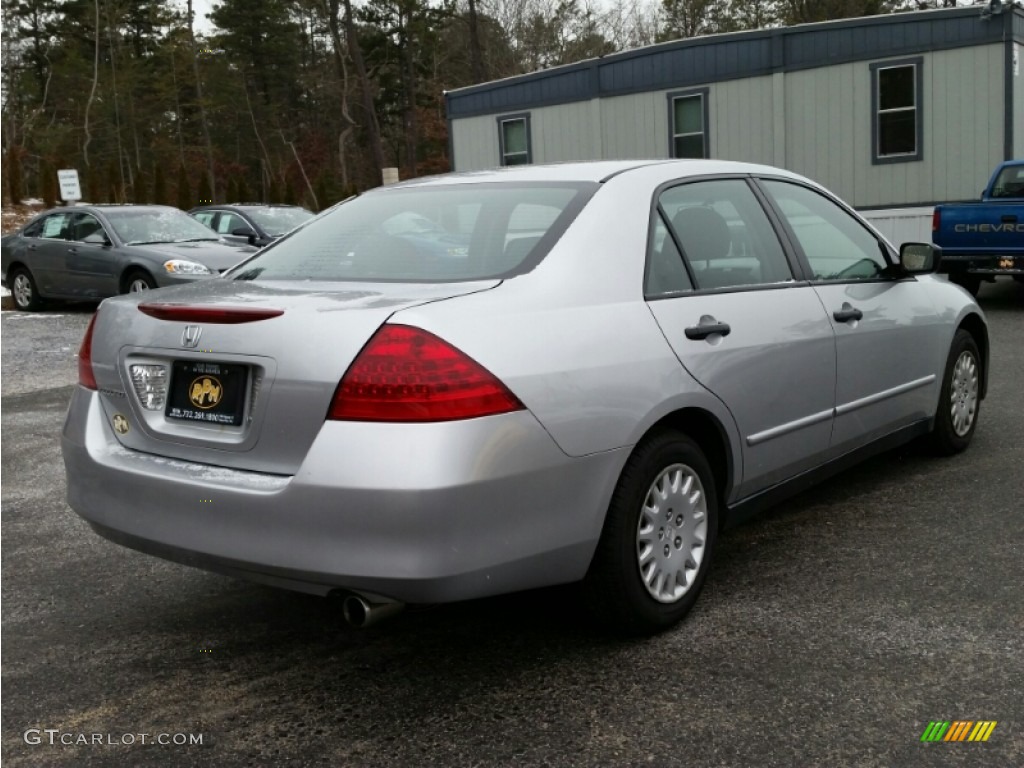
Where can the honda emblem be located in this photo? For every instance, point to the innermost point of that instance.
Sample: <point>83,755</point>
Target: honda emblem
<point>190,336</point>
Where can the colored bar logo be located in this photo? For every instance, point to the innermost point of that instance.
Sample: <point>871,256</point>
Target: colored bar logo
<point>958,730</point>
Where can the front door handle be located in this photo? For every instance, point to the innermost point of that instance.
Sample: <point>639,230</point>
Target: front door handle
<point>707,327</point>
<point>847,313</point>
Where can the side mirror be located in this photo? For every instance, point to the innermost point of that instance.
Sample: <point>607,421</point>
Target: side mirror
<point>97,238</point>
<point>243,232</point>
<point>920,258</point>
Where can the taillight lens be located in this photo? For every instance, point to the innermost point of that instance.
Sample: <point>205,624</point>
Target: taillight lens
<point>936,220</point>
<point>407,374</point>
<point>85,374</point>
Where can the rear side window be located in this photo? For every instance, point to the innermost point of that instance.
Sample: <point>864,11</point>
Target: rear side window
<point>426,234</point>
<point>725,235</point>
<point>54,226</point>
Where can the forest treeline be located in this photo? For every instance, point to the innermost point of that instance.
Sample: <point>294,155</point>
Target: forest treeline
<point>300,101</point>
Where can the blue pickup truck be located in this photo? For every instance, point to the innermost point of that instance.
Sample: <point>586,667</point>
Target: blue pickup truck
<point>983,240</point>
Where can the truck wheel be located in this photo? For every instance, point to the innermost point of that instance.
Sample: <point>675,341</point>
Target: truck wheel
<point>658,538</point>
<point>959,398</point>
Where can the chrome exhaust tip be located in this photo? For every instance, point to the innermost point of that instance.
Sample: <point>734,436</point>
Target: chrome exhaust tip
<point>361,612</point>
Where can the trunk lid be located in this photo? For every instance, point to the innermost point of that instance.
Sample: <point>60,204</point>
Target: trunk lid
<point>280,373</point>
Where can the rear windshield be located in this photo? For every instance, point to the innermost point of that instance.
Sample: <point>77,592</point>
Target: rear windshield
<point>426,234</point>
<point>1010,182</point>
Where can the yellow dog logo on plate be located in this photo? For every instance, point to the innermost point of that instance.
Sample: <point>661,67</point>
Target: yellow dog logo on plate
<point>205,392</point>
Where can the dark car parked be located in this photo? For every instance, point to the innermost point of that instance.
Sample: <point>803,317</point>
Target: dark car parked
<point>90,252</point>
<point>256,224</point>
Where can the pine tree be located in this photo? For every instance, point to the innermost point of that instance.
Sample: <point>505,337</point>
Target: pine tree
<point>159,185</point>
<point>112,190</point>
<point>203,192</point>
<point>184,190</point>
<point>12,168</point>
<point>49,185</point>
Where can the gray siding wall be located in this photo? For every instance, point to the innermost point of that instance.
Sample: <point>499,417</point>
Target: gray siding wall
<point>815,121</point>
<point>828,129</point>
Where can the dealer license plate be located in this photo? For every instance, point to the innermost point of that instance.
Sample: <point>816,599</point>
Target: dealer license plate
<point>213,393</point>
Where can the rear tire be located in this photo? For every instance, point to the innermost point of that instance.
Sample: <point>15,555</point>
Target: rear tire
<point>139,281</point>
<point>658,538</point>
<point>970,283</point>
<point>24,291</point>
<point>960,397</point>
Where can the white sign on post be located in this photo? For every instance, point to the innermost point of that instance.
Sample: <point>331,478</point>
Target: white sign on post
<point>70,190</point>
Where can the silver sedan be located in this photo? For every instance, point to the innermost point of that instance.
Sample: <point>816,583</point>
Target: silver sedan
<point>578,373</point>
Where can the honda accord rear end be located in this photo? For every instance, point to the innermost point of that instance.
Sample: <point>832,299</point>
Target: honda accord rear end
<point>311,420</point>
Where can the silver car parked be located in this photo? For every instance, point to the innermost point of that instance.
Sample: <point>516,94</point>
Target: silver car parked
<point>618,359</point>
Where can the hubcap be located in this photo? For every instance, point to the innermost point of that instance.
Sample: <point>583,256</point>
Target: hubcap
<point>22,290</point>
<point>963,393</point>
<point>138,286</point>
<point>671,533</point>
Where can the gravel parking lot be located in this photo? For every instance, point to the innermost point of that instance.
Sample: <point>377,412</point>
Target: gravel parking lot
<point>832,629</point>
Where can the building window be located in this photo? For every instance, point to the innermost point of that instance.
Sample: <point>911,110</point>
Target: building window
<point>514,139</point>
<point>688,124</point>
<point>896,94</point>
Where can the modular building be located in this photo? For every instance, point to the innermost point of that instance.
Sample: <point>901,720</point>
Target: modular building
<point>896,111</point>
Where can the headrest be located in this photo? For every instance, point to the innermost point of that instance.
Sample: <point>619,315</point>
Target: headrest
<point>703,233</point>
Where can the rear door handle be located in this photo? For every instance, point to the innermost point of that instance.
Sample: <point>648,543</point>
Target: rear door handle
<point>707,327</point>
<point>847,313</point>
<point>1009,219</point>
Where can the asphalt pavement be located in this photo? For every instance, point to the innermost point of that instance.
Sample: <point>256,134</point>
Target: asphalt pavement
<point>833,629</point>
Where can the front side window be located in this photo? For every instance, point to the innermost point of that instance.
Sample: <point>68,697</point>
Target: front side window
<point>514,137</point>
<point>837,246</point>
<point>688,123</point>
<point>896,101</point>
<point>724,234</point>
<point>85,226</point>
<point>428,234</point>
<point>206,217</point>
<point>229,222</point>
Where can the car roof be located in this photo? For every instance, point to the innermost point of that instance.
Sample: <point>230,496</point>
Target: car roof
<point>222,206</point>
<point>594,171</point>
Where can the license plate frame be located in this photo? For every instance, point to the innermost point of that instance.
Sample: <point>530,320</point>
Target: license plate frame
<point>205,392</point>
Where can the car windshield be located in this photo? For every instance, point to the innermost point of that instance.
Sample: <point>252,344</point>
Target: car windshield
<point>279,221</point>
<point>1009,182</point>
<point>138,226</point>
<point>427,234</point>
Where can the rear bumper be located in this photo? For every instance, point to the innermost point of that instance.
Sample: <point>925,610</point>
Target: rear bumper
<point>418,513</point>
<point>984,265</point>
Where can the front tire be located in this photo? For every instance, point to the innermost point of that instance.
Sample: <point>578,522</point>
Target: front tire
<point>139,281</point>
<point>960,398</point>
<point>24,291</point>
<point>658,538</point>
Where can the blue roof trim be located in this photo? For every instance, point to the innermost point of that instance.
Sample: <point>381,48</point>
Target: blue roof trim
<point>715,58</point>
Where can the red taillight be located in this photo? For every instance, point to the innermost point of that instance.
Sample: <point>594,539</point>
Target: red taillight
<point>85,374</point>
<point>408,374</point>
<point>223,315</point>
<point>936,220</point>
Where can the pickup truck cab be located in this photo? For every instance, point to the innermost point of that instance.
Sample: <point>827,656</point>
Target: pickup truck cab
<point>984,240</point>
